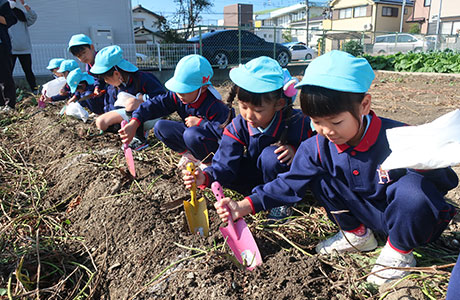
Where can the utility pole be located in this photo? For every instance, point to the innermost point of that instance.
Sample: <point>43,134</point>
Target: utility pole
<point>308,19</point>
<point>437,26</point>
<point>402,15</point>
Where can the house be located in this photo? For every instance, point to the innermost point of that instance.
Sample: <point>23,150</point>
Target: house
<point>238,15</point>
<point>450,17</point>
<point>421,15</point>
<point>294,18</point>
<point>58,20</point>
<point>147,25</point>
<point>357,19</point>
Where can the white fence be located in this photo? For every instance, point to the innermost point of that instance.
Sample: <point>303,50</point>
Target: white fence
<point>145,56</point>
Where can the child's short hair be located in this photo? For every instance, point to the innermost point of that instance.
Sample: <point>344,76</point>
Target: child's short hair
<point>333,83</point>
<point>191,73</point>
<point>78,43</point>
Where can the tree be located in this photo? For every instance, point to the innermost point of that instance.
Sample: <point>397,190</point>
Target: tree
<point>170,36</point>
<point>188,14</point>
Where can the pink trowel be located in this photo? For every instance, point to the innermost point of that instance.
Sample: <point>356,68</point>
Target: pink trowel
<point>128,154</point>
<point>239,237</point>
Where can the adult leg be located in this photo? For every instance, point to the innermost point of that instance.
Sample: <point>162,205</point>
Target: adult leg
<point>200,142</point>
<point>7,86</point>
<point>26,63</point>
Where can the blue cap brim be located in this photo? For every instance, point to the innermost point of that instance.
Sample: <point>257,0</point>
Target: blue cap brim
<point>179,87</point>
<point>124,65</point>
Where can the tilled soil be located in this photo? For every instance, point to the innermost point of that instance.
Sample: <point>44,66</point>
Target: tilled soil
<point>136,233</point>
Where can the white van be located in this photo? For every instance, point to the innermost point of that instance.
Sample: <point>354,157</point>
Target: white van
<point>403,42</point>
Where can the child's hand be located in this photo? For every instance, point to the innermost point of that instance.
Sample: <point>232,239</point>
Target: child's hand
<point>127,133</point>
<point>286,154</point>
<point>96,91</point>
<point>73,99</point>
<point>192,121</point>
<point>63,92</point>
<point>188,178</point>
<point>237,209</point>
<point>45,99</point>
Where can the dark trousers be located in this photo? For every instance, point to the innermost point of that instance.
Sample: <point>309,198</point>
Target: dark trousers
<point>413,213</point>
<point>453,291</point>
<point>253,173</point>
<point>180,138</point>
<point>26,64</point>
<point>7,87</point>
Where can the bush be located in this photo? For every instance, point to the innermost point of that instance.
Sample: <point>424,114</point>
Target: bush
<point>353,47</point>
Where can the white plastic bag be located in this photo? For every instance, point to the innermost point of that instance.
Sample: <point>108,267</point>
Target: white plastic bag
<point>53,87</point>
<point>122,97</point>
<point>429,146</point>
<point>74,109</point>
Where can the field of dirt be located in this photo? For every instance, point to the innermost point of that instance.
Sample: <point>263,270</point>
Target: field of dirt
<point>135,237</point>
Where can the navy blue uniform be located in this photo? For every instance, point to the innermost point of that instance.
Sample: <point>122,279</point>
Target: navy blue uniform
<point>405,204</point>
<point>246,156</point>
<point>94,104</point>
<point>65,91</point>
<point>200,140</point>
<point>145,83</point>
<point>453,291</point>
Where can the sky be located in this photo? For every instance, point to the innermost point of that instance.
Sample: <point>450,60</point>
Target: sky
<point>167,8</point>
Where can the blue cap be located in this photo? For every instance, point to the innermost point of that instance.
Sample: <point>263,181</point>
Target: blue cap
<point>192,72</point>
<point>67,65</point>
<point>340,71</point>
<point>54,63</point>
<point>259,75</point>
<point>110,57</point>
<point>76,76</point>
<point>79,39</point>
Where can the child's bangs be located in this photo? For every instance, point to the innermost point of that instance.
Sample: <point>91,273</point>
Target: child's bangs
<point>317,101</point>
<point>257,98</point>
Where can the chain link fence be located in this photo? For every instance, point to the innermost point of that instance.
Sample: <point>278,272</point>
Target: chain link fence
<point>228,46</point>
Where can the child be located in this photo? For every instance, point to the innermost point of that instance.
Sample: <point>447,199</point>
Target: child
<point>260,142</point>
<point>54,65</point>
<point>341,166</point>
<point>66,66</point>
<point>453,291</point>
<point>82,85</point>
<point>82,47</point>
<point>121,75</point>
<point>198,104</point>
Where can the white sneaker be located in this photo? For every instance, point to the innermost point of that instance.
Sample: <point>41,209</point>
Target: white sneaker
<point>348,243</point>
<point>391,258</point>
<point>185,159</point>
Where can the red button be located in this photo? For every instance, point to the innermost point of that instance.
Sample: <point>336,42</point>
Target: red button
<point>353,153</point>
<point>355,172</point>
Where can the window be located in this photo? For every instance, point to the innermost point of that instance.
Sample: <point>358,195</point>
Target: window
<point>345,13</point>
<point>380,39</point>
<point>359,11</point>
<point>138,24</point>
<point>388,11</point>
<point>403,38</point>
<point>427,2</point>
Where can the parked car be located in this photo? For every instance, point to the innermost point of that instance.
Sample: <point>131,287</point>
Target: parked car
<point>300,51</point>
<point>221,48</point>
<point>404,42</point>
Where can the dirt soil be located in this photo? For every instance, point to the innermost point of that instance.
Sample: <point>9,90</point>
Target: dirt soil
<point>136,230</point>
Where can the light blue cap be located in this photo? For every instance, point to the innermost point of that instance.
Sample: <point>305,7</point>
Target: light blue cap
<point>76,76</point>
<point>192,72</point>
<point>259,75</point>
<point>109,57</point>
<point>340,71</point>
<point>79,39</point>
<point>54,63</point>
<point>68,65</point>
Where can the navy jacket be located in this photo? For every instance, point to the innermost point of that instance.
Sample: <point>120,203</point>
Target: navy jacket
<point>241,141</point>
<point>94,104</point>
<point>357,167</point>
<point>146,83</point>
<point>7,13</point>
<point>212,111</point>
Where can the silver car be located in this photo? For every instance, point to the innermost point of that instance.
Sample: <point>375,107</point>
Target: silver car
<point>404,42</point>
